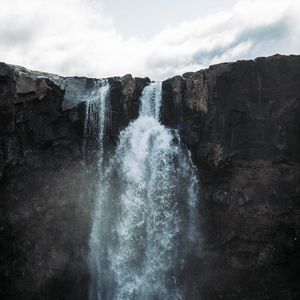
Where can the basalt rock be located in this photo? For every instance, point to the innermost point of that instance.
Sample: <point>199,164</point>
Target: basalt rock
<point>241,122</point>
<point>44,193</point>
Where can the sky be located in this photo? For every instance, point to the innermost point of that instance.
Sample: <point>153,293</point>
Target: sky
<point>157,38</point>
<point>145,18</point>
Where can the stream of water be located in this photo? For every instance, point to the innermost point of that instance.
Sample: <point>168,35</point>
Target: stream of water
<point>145,216</point>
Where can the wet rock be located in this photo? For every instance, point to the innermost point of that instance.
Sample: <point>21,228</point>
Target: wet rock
<point>44,194</point>
<point>239,120</point>
<point>241,123</point>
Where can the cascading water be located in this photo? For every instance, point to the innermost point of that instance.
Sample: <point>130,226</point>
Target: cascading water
<point>145,217</point>
<point>95,122</point>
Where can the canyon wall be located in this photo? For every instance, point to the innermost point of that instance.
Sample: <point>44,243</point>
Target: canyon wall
<point>241,122</point>
<point>45,191</point>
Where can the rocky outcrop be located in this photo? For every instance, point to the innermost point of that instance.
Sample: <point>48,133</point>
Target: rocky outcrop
<point>239,120</point>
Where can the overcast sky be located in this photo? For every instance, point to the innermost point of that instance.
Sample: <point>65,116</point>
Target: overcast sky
<point>146,18</point>
<point>155,38</point>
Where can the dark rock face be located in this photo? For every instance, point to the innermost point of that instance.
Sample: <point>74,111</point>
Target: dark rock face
<point>124,101</point>
<point>40,177</point>
<point>241,122</point>
<point>45,201</point>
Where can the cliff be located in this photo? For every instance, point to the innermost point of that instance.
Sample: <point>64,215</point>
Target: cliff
<point>241,122</point>
<point>44,188</point>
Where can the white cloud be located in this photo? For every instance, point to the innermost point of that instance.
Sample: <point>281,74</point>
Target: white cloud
<point>75,37</point>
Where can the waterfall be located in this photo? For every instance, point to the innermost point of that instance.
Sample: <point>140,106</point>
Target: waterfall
<point>95,122</point>
<point>145,218</point>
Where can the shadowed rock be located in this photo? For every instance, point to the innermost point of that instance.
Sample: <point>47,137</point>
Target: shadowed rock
<point>241,123</point>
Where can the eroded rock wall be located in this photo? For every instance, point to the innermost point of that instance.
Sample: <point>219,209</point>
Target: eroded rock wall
<point>45,194</point>
<point>241,122</point>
